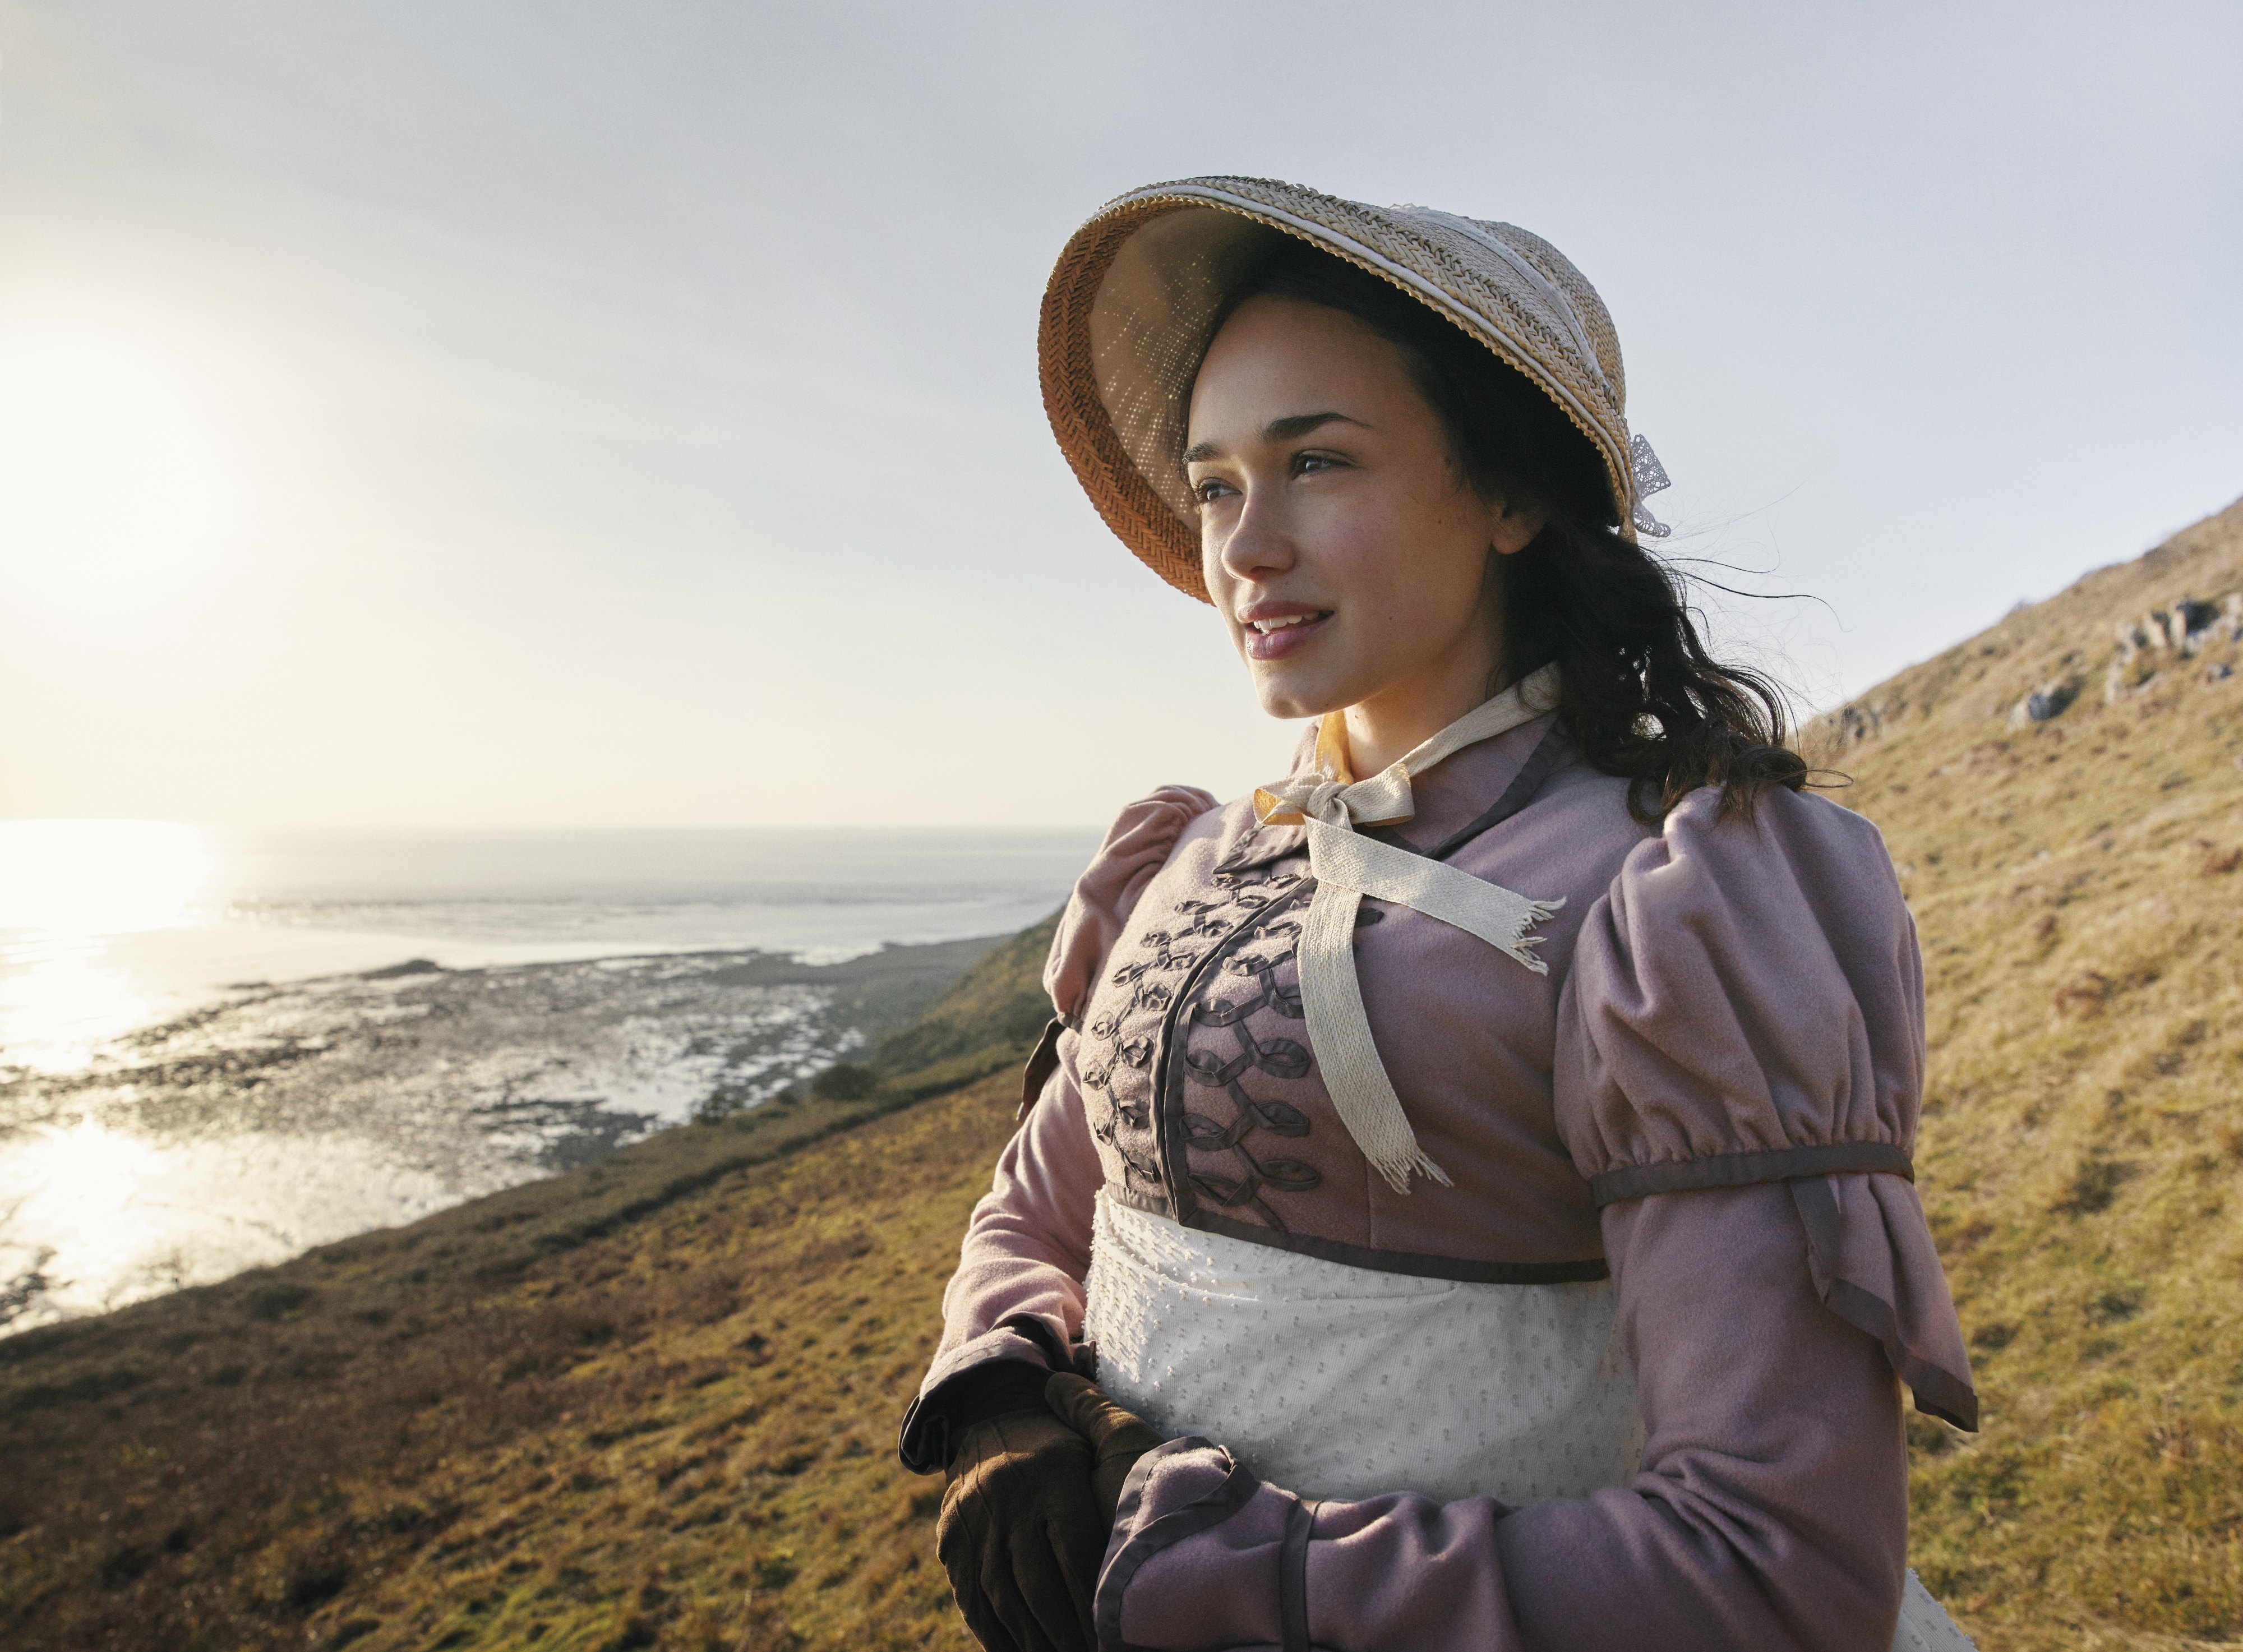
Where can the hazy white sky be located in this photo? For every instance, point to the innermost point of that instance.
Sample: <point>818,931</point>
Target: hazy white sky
<point>497,412</point>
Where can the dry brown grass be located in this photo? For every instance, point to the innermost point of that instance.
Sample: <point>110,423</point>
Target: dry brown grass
<point>2076,886</point>
<point>653,1410</point>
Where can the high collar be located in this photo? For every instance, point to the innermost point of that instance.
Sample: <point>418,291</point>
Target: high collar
<point>1446,794</point>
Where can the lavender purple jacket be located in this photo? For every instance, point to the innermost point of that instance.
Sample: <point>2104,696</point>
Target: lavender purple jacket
<point>1712,1095</point>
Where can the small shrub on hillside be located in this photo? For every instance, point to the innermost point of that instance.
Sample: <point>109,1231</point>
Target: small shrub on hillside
<point>275,1302</point>
<point>776,1570</point>
<point>2094,1185</point>
<point>844,1081</point>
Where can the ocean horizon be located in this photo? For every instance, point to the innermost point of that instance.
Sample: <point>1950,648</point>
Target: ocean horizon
<point>106,925</point>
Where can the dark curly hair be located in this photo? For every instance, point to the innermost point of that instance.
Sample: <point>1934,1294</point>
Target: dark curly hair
<point>1641,696</point>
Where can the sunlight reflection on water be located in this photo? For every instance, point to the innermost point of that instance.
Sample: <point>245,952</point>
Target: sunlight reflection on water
<point>67,889</point>
<point>60,1003</point>
<point>133,1217</point>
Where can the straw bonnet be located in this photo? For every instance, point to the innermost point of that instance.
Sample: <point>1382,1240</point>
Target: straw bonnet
<point>1131,304</point>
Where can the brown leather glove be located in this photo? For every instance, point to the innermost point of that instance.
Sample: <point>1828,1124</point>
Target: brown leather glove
<point>1117,1438</point>
<point>1021,1532</point>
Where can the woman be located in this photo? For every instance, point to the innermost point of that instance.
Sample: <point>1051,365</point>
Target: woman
<point>1476,1166</point>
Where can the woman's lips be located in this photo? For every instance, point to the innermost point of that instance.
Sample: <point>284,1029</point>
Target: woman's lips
<point>1288,634</point>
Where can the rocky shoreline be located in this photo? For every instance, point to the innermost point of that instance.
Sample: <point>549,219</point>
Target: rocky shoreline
<point>289,1116</point>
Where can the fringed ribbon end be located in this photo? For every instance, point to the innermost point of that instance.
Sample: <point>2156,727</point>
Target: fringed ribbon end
<point>1397,1171</point>
<point>1523,941</point>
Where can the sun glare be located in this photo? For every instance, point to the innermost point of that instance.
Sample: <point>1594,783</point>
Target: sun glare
<point>67,886</point>
<point>75,1188</point>
<point>113,478</point>
<point>80,878</point>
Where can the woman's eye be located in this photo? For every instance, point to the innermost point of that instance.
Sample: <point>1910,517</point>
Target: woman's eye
<point>1210,489</point>
<point>1305,462</point>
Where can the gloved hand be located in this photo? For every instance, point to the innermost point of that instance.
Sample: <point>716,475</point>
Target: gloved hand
<point>1117,1439</point>
<point>1021,1532</point>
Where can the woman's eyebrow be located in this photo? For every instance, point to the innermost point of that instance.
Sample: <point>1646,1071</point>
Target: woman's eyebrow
<point>1284,429</point>
<point>1299,424</point>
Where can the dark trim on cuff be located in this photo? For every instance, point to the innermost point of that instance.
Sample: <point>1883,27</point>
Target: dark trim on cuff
<point>1938,1392</point>
<point>923,1439</point>
<point>1033,1327</point>
<point>1293,1575</point>
<point>1745,1170</point>
<point>1043,1064</point>
<point>936,1422</point>
<point>1410,1262</point>
<point>1123,1565</point>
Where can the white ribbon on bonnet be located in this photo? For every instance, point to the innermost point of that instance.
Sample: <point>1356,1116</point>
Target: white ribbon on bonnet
<point>1347,867</point>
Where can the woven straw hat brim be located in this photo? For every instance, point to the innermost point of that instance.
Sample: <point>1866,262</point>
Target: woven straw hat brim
<point>1131,307</point>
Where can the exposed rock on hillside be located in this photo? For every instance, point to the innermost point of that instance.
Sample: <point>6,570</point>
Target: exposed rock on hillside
<point>2123,621</point>
<point>2164,637</point>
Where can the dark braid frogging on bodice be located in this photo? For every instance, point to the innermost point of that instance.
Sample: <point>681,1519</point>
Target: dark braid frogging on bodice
<point>1194,1002</point>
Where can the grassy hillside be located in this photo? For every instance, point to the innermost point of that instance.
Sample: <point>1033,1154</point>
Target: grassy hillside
<point>987,1022</point>
<point>652,1403</point>
<point>2077,882</point>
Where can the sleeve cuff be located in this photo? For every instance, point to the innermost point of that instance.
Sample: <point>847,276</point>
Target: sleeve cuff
<point>923,1442</point>
<point>1227,1592</point>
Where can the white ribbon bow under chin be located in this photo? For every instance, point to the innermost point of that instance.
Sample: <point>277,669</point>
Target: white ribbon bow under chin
<point>1347,867</point>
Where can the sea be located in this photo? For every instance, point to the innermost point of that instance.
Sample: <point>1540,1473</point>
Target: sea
<point>219,1047</point>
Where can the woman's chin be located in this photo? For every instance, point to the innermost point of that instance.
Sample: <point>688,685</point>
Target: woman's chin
<point>1285,694</point>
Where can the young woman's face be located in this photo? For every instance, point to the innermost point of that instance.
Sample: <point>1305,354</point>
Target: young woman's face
<point>1346,553</point>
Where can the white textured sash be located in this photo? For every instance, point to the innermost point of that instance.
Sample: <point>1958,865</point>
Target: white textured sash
<point>1347,867</point>
<point>1339,1381</point>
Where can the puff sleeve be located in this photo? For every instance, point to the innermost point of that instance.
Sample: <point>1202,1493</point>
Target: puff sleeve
<point>1746,1006</point>
<point>1136,846</point>
<point>1017,1293</point>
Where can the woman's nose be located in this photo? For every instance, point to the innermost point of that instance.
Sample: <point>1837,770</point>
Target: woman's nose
<point>1258,542</point>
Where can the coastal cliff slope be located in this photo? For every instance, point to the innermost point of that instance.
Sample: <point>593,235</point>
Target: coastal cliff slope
<point>2063,797</point>
<point>651,1402</point>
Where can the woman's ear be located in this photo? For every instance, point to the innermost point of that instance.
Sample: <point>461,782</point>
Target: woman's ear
<point>1513,524</point>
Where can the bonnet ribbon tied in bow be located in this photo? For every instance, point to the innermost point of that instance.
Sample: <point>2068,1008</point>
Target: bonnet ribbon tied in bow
<point>1348,867</point>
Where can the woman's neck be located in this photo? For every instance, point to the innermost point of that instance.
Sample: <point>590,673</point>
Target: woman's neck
<point>1392,724</point>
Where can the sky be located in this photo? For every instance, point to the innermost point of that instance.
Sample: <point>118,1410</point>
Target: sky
<point>506,413</point>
